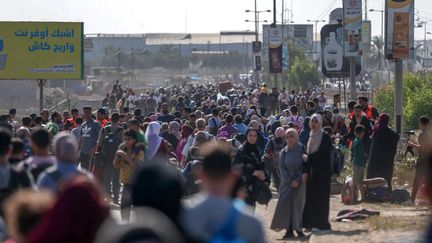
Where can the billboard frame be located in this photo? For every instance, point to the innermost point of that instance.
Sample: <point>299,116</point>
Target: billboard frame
<point>44,76</point>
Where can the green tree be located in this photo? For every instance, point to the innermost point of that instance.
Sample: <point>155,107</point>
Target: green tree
<point>304,73</point>
<point>417,91</point>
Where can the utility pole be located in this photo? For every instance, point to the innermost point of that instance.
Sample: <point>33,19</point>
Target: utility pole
<point>283,41</point>
<point>366,9</point>
<point>256,55</point>
<point>275,26</point>
<point>256,22</point>
<point>398,94</point>
<point>41,83</point>
<point>353,87</point>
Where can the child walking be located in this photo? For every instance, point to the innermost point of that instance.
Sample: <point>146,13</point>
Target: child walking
<point>358,159</point>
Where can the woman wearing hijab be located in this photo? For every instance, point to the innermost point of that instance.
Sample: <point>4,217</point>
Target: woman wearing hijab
<point>159,188</point>
<point>173,136</point>
<point>292,192</point>
<point>156,146</point>
<point>186,131</point>
<point>75,217</point>
<point>383,151</point>
<point>305,131</point>
<point>318,168</point>
<point>248,160</point>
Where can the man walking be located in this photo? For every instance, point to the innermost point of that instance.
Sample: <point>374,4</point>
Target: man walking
<point>89,137</point>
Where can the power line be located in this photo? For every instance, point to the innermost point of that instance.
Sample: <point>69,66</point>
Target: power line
<point>326,10</point>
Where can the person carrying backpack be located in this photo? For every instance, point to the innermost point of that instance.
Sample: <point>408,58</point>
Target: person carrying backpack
<point>41,160</point>
<point>292,99</point>
<point>214,123</point>
<point>66,152</point>
<point>272,155</point>
<point>110,138</point>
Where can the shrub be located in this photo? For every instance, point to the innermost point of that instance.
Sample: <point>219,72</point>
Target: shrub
<point>417,89</point>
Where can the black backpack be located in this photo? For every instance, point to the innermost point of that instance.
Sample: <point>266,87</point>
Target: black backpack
<point>29,174</point>
<point>291,100</point>
<point>215,128</point>
<point>261,192</point>
<point>400,196</point>
<point>111,143</point>
<point>36,170</point>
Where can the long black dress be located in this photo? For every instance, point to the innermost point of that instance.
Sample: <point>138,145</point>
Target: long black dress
<point>382,154</point>
<point>248,160</point>
<point>317,207</point>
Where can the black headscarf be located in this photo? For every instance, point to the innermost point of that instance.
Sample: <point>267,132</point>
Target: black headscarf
<point>158,187</point>
<point>251,149</point>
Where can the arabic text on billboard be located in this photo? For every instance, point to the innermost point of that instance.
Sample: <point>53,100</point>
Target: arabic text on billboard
<point>41,50</point>
<point>353,26</point>
<point>399,19</point>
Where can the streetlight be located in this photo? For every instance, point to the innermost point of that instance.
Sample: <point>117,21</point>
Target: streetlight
<point>261,11</point>
<point>263,21</point>
<point>316,21</point>
<point>424,24</point>
<point>257,21</point>
<point>382,20</point>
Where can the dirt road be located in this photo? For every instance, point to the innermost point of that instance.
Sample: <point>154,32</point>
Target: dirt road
<point>395,224</point>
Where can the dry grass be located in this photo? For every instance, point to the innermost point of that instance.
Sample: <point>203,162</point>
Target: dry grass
<point>398,223</point>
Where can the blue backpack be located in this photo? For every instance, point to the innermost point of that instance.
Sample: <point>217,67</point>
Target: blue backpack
<point>227,233</point>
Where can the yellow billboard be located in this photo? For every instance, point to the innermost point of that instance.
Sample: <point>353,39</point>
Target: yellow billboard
<point>41,50</point>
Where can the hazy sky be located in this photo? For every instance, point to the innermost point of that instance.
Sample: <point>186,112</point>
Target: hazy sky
<point>144,16</point>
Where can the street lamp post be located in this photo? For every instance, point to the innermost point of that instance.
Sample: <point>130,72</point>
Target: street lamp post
<point>316,21</point>
<point>256,22</point>
<point>256,28</point>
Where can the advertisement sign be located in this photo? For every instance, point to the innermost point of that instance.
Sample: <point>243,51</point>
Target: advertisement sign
<point>352,27</point>
<point>256,46</point>
<point>41,50</point>
<point>334,63</point>
<point>399,36</point>
<point>301,35</point>
<point>257,63</point>
<point>366,36</point>
<point>275,50</point>
<point>285,57</point>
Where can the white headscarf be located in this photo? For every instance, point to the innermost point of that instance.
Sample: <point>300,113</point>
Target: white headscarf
<point>153,139</point>
<point>315,137</point>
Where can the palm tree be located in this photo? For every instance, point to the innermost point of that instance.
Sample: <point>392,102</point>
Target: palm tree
<point>376,56</point>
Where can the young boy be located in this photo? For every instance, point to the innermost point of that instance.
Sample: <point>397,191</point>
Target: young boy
<point>422,146</point>
<point>358,159</point>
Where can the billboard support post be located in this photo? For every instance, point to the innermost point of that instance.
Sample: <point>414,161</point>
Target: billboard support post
<point>398,94</point>
<point>41,83</point>
<point>353,78</point>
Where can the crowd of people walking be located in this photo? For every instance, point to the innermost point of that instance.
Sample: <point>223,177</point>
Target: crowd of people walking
<point>221,151</point>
